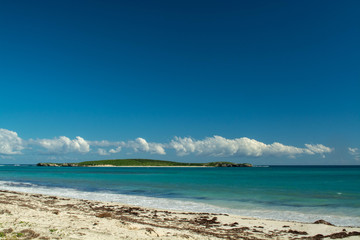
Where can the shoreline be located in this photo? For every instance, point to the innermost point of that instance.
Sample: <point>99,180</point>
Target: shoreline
<point>41,216</point>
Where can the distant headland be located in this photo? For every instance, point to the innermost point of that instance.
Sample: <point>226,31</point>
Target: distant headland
<point>142,163</point>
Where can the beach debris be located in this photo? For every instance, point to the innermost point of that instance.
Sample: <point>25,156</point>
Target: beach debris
<point>241,229</point>
<point>56,212</point>
<point>150,231</point>
<point>297,232</point>
<point>343,235</point>
<point>321,221</point>
<point>104,215</point>
<point>204,220</point>
<point>338,235</point>
<point>316,237</point>
<point>233,224</point>
<point>8,230</point>
<point>29,234</point>
<point>5,211</point>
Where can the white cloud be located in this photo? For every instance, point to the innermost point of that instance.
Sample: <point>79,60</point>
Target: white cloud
<point>222,147</point>
<point>142,145</point>
<point>137,145</point>
<point>318,149</point>
<point>10,143</point>
<point>115,150</point>
<point>102,152</point>
<point>63,144</point>
<point>104,143</point>
<point>355,152</point>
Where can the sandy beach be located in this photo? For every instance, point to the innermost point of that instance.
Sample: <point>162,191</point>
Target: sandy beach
<point>36,216</point>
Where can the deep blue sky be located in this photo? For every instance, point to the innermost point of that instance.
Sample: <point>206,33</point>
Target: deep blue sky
<point>273,71</point>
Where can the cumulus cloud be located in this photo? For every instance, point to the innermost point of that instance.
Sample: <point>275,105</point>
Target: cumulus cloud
<point>102,152</point>
<point>355,152</point>
<point>137,145</point>
<point>318,149</point>
<point>10,142</point>
<point>222,147</point>
<point>104,143</point>
<point>63,144</point>
<point>142,145</point>
<point>115,150</point>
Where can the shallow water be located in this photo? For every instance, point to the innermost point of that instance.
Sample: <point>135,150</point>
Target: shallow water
<point>278,192</point>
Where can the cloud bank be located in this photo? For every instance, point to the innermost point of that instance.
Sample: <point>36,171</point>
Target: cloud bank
<point>216,146</point>
<point>221,147</point>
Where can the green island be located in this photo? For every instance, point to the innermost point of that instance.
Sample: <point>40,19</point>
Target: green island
<point>142,163</point>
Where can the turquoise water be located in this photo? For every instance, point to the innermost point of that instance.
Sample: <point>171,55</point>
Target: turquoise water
<point>277,192</point>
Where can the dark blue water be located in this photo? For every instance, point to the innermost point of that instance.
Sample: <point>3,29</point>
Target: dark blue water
<point>279,192</point>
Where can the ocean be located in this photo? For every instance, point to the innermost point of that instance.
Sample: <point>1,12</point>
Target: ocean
<point>295,193</point>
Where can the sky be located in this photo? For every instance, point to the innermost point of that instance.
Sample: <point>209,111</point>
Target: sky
<point>265,82</point>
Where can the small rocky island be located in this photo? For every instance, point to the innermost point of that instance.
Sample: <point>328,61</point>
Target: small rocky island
<point>227,164</point>
<point>57,165</point>
<point>142,163</point>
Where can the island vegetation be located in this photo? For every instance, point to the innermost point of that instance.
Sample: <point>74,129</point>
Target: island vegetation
<point>143,163</point>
